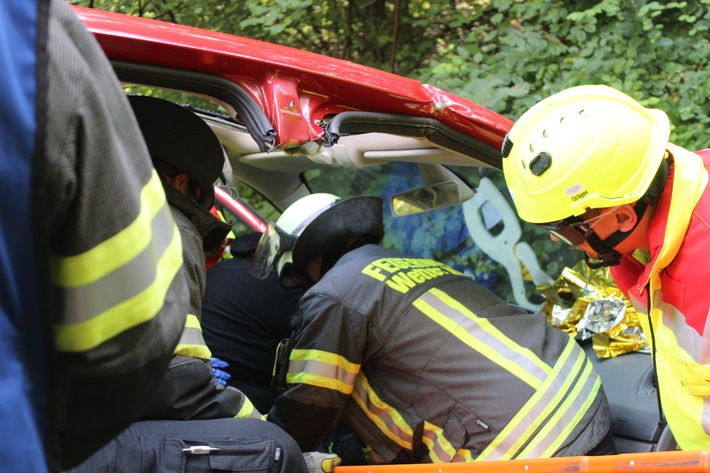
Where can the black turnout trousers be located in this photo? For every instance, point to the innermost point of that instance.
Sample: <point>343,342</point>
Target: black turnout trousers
<point>191,446</point>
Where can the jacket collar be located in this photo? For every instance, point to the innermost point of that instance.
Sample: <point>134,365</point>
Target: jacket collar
<point>212,230</point>
<point>686,182</point>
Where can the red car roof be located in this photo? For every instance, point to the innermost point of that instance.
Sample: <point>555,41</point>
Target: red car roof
<point>295,88</point>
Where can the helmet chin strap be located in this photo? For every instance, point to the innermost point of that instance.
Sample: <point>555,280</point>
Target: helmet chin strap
<point>607,255</point>
<point>295,277</point>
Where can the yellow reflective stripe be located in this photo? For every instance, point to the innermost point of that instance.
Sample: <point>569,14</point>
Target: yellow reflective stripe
<point>197,351</point>
<point>231,234</point>
<point>480,335</point>
<point>142,307</point>
<point>695,344</point>
<point>570,413</point>
<point>539,408</point>
<point>385,417</point>
<point>192,343</point>
<point>191,321</point>
<point>440,449</point>
<point>247,410</point>
<point>463,455</point>
<point>82,269</point>
<point>322,369</point>
<point>555,388</point>
<point>82,303</point>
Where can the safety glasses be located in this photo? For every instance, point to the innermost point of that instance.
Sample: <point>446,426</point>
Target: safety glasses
<point>574,231</point>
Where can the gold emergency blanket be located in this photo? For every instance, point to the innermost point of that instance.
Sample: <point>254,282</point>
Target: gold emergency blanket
<point>586,303</point>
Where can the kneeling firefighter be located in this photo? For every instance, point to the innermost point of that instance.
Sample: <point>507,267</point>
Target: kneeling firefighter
<point>420,362</point>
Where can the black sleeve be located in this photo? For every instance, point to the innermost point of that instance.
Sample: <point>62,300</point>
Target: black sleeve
<point>306,423</point>
<point>311,408</point>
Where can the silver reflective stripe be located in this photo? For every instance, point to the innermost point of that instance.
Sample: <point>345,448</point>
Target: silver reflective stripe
<point>321,369</point>
<point>482,337</point>
<point>383,415</point>
<point>695,344</point>
<point>440,449</point>
<point>563,393</point>
<point>192,336</point>
<point>125,282</point>
<point>536,410</point>
<point>567,416</point>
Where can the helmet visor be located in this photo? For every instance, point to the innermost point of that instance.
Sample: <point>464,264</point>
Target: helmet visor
<point>226,181</point>
<point>272,245</point>
<point>263,261</point>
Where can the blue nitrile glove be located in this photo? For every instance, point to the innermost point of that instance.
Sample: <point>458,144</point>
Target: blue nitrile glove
<point>221,376</point>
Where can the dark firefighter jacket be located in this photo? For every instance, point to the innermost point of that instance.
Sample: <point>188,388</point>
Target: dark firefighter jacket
<point>189,390</point>
<point>426,365</point>
<point>91,297</point>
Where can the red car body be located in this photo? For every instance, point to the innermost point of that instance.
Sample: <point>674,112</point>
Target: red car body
<point>295,88</point>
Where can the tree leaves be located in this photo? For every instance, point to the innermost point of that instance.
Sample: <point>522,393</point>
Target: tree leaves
<point>648,49</point>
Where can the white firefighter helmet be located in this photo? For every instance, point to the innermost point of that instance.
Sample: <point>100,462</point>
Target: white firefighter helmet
<point>314,225</point>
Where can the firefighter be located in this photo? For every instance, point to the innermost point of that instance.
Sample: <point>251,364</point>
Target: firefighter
<point>85,339</point>
<point>420,362</point>
<point>189,159</point>
<point>595,168</point>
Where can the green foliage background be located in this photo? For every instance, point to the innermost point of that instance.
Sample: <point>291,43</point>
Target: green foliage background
<point>504,54</point>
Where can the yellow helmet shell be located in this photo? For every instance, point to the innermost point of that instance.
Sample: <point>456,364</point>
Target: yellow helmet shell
<point>586,147</point>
